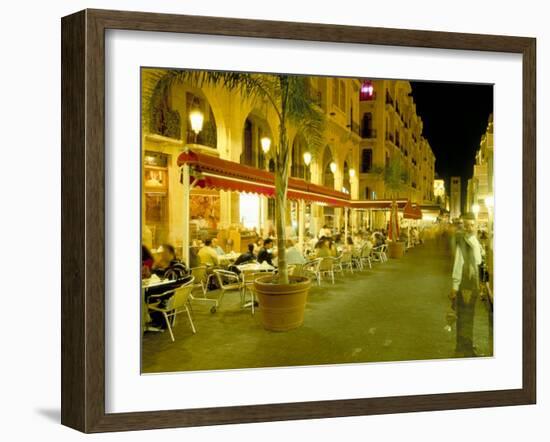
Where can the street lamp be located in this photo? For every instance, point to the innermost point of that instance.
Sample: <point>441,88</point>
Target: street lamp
<point>266,144</point>
<point>196,117</point>
<point>333,167</point>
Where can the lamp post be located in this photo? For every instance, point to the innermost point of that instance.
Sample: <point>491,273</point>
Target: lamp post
<point>265,143</point>
<point>351,177</point>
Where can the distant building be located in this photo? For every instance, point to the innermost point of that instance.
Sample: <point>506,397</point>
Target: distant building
<point>440,194</point>
<point>481,189</point>
<point>455,201</point>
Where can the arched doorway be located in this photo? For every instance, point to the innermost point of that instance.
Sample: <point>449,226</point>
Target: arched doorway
<point>256,212</point>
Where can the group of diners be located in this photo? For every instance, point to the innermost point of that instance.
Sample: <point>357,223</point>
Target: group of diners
<point>166,265</point>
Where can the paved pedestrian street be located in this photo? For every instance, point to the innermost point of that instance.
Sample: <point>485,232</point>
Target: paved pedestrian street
<point>394,311</point>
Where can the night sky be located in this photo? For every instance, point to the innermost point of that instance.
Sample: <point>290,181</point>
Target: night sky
<point>455,117</point>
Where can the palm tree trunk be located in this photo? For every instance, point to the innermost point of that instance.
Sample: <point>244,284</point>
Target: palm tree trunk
<point>280,227</point>
<point>281,184</point>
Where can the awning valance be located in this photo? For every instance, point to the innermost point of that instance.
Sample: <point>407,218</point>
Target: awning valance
<point>378,204</point>
<point>215,173</point>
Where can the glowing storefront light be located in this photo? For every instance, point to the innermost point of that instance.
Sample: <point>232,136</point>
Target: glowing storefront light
<point>249,205</point>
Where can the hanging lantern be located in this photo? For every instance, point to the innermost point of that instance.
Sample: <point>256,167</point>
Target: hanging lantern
<point>307,158</point>
<point>367,91</point>
<point>333,167</point>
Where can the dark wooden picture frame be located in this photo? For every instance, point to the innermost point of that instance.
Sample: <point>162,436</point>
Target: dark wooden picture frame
<point>83,219</point>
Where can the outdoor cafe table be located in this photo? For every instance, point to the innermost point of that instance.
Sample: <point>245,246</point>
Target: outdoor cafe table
<point>228,258</point>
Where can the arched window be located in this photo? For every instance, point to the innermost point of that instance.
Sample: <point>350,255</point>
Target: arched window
<point>255,128</point>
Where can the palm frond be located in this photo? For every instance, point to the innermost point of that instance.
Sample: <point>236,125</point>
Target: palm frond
<point>304,114</point>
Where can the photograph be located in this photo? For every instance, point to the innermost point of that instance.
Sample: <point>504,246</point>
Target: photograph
<point>299,220</point>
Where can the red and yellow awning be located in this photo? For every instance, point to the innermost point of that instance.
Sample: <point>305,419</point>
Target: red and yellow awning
<point>216,173</point>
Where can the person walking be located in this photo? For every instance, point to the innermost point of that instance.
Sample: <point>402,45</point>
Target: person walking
<point>468,256</point>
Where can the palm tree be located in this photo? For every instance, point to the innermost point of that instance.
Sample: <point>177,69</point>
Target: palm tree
<point>289,97</point>
<point>395,178</point>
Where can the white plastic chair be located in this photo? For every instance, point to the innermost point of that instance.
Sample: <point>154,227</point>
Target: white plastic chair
<point>174,305</point>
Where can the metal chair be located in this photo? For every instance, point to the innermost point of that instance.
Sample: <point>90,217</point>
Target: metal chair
<point>312,268</point>
<point>227,281</point>
<point>174,305</point>
<point>202,278</point>
<point>379,253</point>
<point>365,255</point>
<point>346,261</point>
<point>326,267</point>
<point>248,286</point>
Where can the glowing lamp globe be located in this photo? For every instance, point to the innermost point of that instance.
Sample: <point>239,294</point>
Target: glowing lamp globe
<point>196,118</point>
<point>266,144</point>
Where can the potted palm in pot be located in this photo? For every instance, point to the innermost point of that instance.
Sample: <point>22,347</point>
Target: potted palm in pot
<point>395,178</point>
<point>282,297</point>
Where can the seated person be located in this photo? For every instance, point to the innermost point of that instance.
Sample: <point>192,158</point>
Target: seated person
<point>323,249</point>
<point>349,246</point>
<point>208,255</point>
<point>246,256</point>
<point>293,255</point>
<point>147,262</point>
<point>217,247</point>
<point>194,260</point>
<point>266,252</point>
<point>259,244</point>
<point>168,266</point>
<point>243,258</point>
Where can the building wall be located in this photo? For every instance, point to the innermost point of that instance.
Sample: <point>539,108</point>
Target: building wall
<point>394,130</point>
<point>482,176</point>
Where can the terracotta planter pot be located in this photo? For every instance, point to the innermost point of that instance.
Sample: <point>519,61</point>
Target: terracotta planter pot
<point>396,249</point>
<point>282,305</point>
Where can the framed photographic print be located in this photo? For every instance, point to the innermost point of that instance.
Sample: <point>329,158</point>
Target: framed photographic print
<point>267,221</point>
